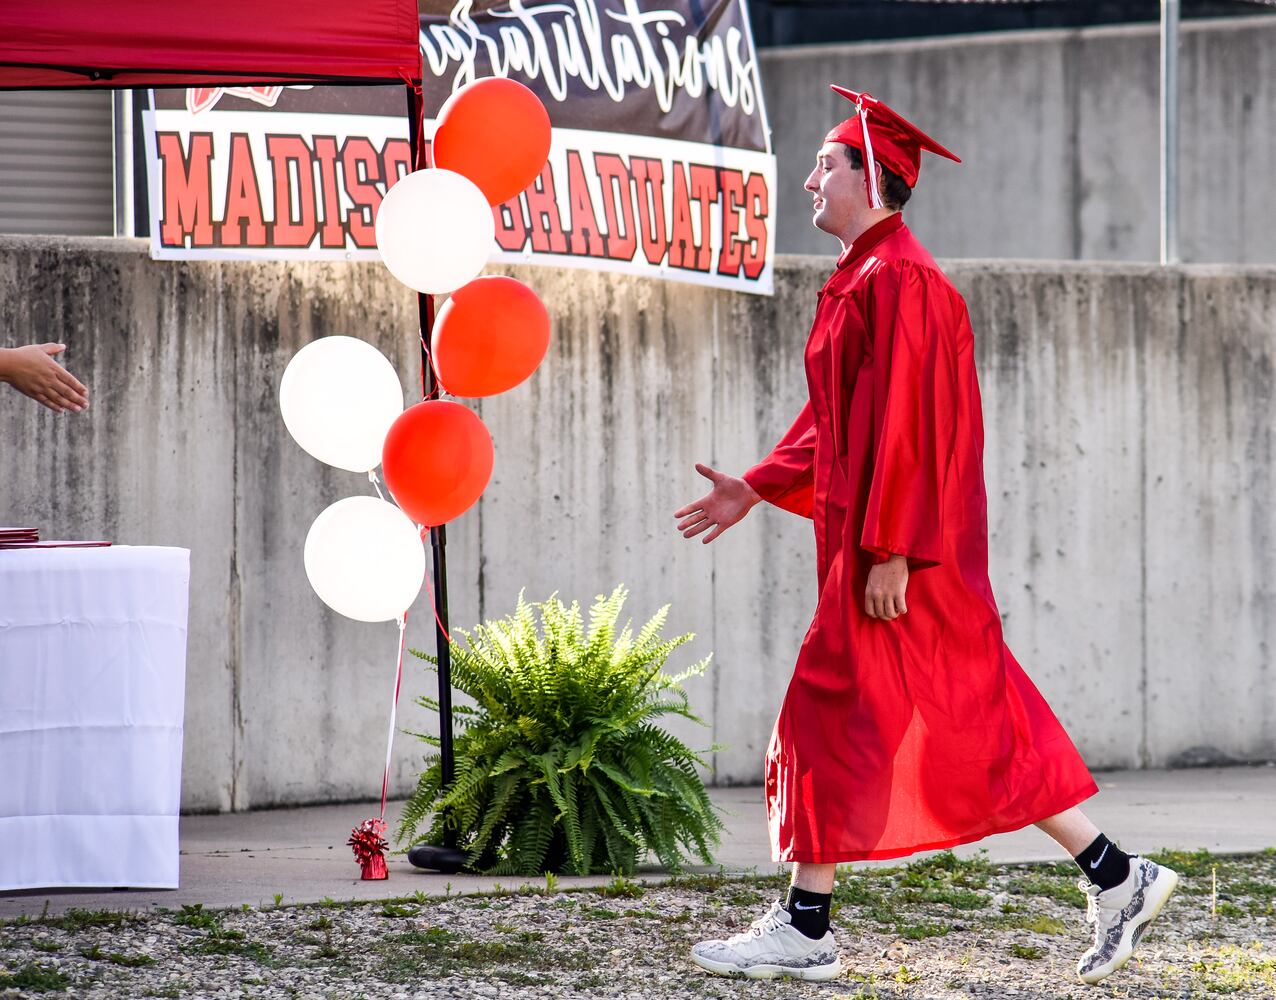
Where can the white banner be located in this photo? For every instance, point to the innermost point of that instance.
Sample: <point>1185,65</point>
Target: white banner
<point>660,163</point>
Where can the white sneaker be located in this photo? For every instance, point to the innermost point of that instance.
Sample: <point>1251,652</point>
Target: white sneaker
<point>771,948</point>
<point>1121,914</point>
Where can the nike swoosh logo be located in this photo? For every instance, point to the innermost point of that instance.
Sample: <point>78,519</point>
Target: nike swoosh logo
<point>1095,864</point>
<point>799,906</point>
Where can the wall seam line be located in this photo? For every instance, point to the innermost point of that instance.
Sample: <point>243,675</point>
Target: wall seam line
<point>1141,349</point>
<point>236,584</point>
<point>1072,57</point>
<point>715,401</point>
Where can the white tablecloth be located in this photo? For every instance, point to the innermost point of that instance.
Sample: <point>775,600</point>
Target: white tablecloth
<point>92,685</point>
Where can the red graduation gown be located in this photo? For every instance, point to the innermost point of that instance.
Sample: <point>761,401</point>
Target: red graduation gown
<point>924,732</point>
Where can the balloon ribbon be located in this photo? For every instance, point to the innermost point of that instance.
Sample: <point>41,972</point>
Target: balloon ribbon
<point>367,838</point>
<point>434,605</point>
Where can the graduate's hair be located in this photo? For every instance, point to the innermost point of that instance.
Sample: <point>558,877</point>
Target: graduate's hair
<point>895,193</point>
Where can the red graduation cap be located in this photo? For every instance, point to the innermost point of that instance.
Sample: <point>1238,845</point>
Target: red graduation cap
<point>886,137</point>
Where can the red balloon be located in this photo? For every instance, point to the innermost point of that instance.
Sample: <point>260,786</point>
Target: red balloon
<point>437,460</point>
<point>489,336</point>
<point>496,132</point>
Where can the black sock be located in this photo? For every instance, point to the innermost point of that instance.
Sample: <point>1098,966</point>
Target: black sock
<point>1104,864</point>
<point>809,911</point>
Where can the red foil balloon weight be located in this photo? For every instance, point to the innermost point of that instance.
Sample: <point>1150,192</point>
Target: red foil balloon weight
<point>490,336</point>
<point>437,460</point>
<point>496,132</point>
<point>370,847</point>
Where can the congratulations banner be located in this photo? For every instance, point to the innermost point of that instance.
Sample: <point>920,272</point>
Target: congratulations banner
<point>660,164</point>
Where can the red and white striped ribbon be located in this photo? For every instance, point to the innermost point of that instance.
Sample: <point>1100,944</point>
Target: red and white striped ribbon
<point>398,673</point>
<point>870,164</point>
<point>394,709</point>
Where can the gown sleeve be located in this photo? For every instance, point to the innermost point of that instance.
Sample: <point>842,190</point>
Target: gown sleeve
<point>786,477</point>
<point>913,324</point>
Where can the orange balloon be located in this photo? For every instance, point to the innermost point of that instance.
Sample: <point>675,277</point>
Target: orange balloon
<point>489,336</point>
<point>496,132</point>
<point>437,460</point>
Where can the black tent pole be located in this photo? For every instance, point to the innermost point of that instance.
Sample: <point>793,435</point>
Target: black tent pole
<point>446,858</point>
<point>438,544</point>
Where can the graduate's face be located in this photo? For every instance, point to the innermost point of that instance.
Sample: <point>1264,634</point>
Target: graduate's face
<point>837,190</point>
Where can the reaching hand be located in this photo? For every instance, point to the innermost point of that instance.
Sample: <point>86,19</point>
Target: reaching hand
<point>729,500</point>
<point>33,372</point>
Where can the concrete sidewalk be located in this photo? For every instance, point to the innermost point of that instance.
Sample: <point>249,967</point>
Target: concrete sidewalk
<point>300,855</point>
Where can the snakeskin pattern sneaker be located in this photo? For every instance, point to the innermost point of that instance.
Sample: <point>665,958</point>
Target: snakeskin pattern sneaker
<point>772,948</point>
<point>1121,915</point>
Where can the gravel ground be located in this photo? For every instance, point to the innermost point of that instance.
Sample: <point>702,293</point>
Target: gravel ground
<point>937,928</point>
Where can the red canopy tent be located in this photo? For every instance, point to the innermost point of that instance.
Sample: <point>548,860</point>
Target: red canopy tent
<point>175,43</point>
<point>169,43</point>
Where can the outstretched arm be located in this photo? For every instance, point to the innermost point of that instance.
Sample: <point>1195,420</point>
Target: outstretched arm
<point>786,477</point>
<point>33,372</point>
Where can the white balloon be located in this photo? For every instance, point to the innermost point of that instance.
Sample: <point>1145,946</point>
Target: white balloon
<point>435,230</point>
<point>365,559</point>
<point>339,396</point>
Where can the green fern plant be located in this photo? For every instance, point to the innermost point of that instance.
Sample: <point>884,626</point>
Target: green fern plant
<point>561,765</point>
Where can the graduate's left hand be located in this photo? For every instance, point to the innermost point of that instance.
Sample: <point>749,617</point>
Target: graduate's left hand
<point>884,594</point>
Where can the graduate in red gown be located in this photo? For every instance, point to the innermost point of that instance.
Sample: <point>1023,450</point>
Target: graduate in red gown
<point>908,725</point>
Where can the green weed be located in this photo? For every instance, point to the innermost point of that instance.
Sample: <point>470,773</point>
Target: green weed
<point>196,916</point>
<point>621,887</point>
<point>947,868</point>
<point>231,943</point>
<point>883,913</point>
<point>855,891</point>
<point>960,899</point>
<point>1253,887</point>
<point>1238,970</point>
<point>905,977</point>
<point>39,978</point>
<point>327,949</point>
<point>75,920</point>
<point>1063,890</point>
<point>916,932</point>
<point>529,937</point>
<point>1188,863</point>
<point>435,952</point>
<point>1038,923</point>
<point>129,961</point>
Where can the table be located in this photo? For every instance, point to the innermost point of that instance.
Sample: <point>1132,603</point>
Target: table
<point>92,686</point>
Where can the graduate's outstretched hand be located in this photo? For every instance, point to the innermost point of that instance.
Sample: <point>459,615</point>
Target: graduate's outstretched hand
<point>729,500</point>
<point>884,594</point>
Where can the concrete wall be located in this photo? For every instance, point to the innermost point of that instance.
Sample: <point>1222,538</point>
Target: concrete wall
<point>1059,134</point>
<point>1129,469</point>
<point>183,445</point>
